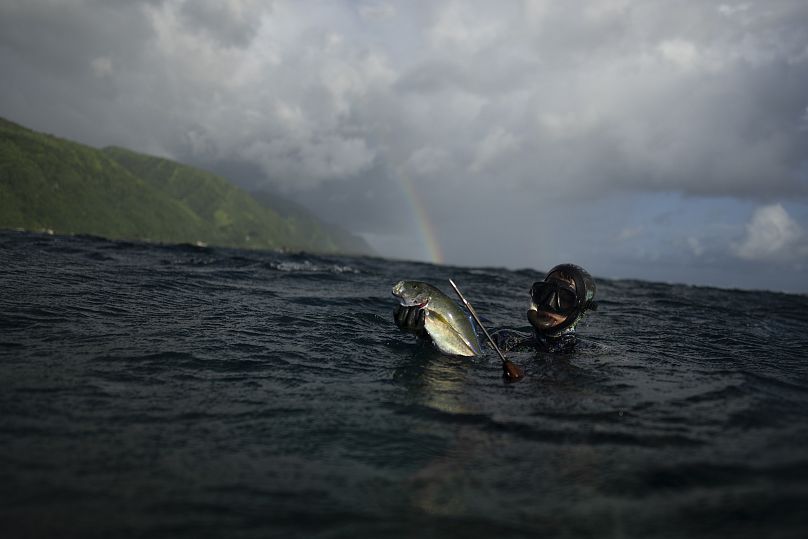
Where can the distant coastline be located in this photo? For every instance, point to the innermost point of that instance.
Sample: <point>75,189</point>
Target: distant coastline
<point>57,186</point>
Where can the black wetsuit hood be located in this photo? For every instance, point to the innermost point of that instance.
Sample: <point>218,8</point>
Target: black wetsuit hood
<point>584,300</point>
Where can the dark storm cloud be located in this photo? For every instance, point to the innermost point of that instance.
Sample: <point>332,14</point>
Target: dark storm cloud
<point>228,23</point>
<point>62,38</point>
<point>704,100</point>
<point>64,64</point>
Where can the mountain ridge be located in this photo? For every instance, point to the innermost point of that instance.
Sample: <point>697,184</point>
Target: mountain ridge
<point>55,184</point>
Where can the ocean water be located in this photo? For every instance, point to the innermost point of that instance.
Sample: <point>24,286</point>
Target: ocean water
<point>176,391</point>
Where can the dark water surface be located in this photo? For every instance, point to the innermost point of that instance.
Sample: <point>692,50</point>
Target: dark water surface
<point>150,391</point>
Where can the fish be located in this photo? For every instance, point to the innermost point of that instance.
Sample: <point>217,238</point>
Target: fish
<point>446,323</point>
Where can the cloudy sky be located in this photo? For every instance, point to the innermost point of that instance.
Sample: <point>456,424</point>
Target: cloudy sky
<point>661,140</point>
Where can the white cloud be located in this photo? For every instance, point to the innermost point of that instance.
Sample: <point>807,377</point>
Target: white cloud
<point>695,245</point>
<point>464,28</point>
<point>771,234</point>
<point>731,9</point>
<point>680,52</point>
<point>101,66</point>
<point>309,161</point>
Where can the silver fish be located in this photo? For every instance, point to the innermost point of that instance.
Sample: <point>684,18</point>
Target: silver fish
<point>447,324</point>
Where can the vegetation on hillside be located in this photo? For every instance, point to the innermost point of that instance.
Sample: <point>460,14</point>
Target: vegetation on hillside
<point>48,183</point>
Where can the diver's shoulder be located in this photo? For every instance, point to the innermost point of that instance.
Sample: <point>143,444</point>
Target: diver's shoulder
<point>509,340</point>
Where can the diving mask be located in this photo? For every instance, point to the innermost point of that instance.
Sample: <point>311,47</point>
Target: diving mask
<point>554,296</point>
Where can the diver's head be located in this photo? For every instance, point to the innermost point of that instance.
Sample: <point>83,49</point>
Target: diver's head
<point>560,301</point>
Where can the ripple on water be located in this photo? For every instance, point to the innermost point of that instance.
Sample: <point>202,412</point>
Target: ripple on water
<point>184,391</point>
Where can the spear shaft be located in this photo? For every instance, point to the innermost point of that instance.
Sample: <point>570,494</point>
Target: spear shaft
<point>510,371</point>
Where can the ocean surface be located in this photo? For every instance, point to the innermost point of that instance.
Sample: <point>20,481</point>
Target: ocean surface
<point>178,391</point>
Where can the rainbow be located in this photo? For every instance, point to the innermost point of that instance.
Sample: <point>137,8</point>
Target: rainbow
<point>425,228</point>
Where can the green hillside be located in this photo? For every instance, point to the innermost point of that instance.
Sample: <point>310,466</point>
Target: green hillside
<point>48,183</point>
